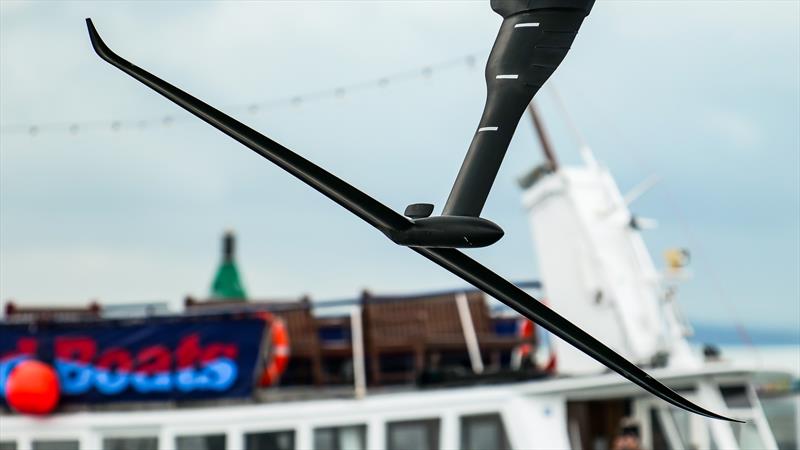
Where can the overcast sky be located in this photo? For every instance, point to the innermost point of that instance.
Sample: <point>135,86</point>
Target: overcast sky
<point>704,94</point>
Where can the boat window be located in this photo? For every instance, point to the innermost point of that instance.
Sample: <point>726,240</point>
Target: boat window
<point>8,445</point>
<point>595,423</point>
<point>483,431</point>
<point>747,435</point>
<point>735,396</point>
<point>130,443</point>
<point>201,442</point>
<point>341,438</point>
<point>56,445</point>
<point>658,435</point>
<point>413,435</point>
<point>682,421</point>
<point>270,440</point>
<point>671,428</point>
<point>783,417</point>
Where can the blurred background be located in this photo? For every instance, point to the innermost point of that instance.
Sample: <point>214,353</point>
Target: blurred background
<point>109,191</point>
<point>110,194</point>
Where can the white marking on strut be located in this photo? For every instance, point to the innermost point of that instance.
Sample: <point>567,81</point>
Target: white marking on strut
<point>507,77</point>
<point>487,129</point>
<point>526,25</point>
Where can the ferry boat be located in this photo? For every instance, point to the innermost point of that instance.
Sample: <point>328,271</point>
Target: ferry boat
<point>436,370</point>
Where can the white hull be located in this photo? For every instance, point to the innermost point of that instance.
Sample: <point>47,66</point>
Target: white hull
<point>534,414</point>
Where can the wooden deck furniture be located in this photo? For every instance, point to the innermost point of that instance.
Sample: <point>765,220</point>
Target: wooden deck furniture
<point>30,314</point>
<point>399,332</point>
<point>303,341</point>
<point>427,327</point>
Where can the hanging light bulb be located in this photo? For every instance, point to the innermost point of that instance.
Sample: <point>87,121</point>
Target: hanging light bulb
<point>470,60</point>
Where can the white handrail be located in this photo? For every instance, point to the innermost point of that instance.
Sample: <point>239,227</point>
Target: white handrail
<point>357,341</point>
<point>470,338</point>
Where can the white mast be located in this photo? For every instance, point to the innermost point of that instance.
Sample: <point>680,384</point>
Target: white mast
<point>595,267</point>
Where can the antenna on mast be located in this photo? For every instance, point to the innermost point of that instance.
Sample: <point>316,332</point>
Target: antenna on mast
<point>544,139</point>
<point>586,152</point>
<point>550,165</point>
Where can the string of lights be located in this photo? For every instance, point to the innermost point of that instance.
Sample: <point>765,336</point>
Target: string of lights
<point>166,120</point>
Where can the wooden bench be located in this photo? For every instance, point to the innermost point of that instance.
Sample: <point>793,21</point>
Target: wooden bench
<point>427,327</point>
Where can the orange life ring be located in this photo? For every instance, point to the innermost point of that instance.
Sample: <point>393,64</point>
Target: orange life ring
<point>278,352</point>
<point>526,331</point>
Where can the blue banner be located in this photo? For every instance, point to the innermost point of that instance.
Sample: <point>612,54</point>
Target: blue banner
<point>172,359</point>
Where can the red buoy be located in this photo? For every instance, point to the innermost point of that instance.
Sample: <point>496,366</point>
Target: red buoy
<point>32,388</point>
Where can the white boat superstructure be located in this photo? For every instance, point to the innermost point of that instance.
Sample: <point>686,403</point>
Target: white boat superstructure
<point>572,412</point>
<point>596,271</point>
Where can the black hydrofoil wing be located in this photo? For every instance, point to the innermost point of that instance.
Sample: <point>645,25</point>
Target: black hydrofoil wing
<point>403,230</point>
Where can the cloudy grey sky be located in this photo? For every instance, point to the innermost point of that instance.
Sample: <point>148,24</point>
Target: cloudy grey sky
<point>704,94</point>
